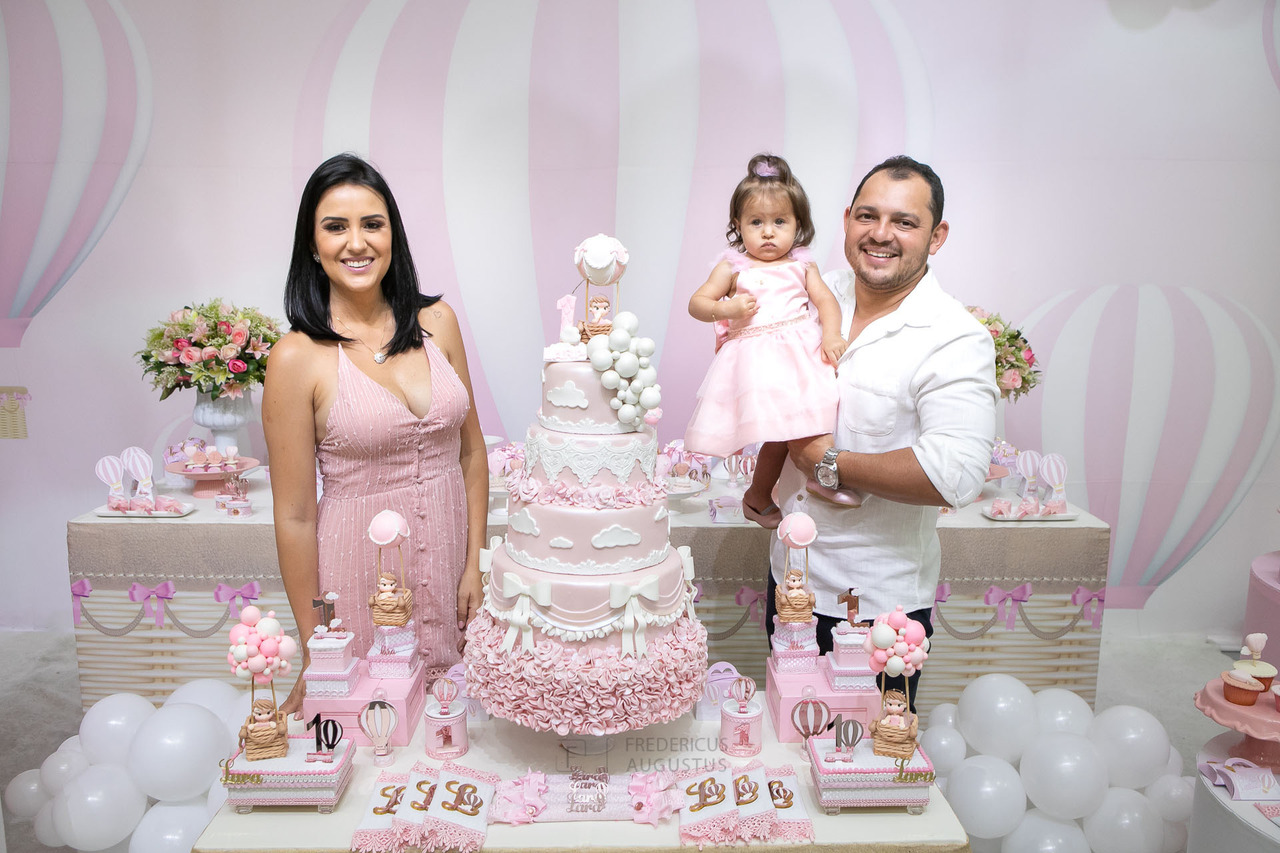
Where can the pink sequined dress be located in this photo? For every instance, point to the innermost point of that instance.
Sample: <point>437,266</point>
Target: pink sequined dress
<point>768,381</point>
<point>378,455</point>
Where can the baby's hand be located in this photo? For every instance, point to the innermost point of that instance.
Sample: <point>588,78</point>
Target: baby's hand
<point>833,346</point>
<point>739,307</point>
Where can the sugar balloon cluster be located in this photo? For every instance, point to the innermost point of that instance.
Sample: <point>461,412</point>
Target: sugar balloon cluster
<point>623,360</point>
<point>260,649</point>
<point>897,644</point>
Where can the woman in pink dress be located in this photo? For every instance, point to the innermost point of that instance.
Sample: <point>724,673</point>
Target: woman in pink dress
<point>371,385</point>
<point>773,375</point>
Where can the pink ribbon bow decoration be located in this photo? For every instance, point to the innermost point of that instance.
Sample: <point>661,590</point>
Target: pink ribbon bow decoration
<point>651,798</point>
<point>1091,603</point>
<point>940,596</point>
<point>222,593</point>
<point>152,606</point>
<point>750,599</point>
<point>80,589</point>
<point>1000,598</point>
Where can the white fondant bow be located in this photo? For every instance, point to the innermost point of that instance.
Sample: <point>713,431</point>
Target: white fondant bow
<point>633,618</point>
<point>686,558</point>
<point>518,622</point>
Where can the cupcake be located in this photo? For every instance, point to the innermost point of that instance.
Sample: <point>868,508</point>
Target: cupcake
<point>1255,666</point>
<point>1240,688</point>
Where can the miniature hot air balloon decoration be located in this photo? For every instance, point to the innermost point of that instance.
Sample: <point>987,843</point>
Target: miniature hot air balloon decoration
<point>378,720</point>
<point>743,689</point>
<point>810,716</point>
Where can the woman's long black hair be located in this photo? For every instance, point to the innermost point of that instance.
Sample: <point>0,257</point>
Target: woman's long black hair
<point>306,290</point>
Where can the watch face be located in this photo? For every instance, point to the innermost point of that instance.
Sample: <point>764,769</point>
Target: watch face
<point>828,478</point>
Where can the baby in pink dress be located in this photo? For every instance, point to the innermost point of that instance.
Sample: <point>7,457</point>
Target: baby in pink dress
<point>773,376</point>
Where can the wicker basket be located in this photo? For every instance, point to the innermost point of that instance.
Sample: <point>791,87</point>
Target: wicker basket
<point>894,741</point>
<point>273,744</point>
<point>13,415</point>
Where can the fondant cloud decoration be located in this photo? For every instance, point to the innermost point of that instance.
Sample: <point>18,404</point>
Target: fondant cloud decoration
<point>567,396</point>
<point>661,513</point>
<point>615,536</point>
<point>522,522</point>
<point>561,542</point>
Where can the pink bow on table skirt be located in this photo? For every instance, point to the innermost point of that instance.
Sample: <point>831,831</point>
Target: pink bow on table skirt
<point>223,593</point>
<point>1001,598</point>
<point>1092,603</point>
<point>80,589</point>
<point>940,596</point>
<point>751,599</point>
<point>152,606</point>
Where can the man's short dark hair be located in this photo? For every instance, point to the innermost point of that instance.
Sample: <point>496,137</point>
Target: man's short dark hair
<point>901,168</point>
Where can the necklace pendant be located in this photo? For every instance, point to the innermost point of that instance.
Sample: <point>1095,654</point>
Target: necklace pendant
<point>380,357</point>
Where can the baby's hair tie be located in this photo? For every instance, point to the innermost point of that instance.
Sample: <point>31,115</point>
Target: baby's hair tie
<point>764,170</point>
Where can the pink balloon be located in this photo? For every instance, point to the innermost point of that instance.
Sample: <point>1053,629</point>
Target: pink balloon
<point>917,657</point>
<point>900,649</point>
<point>897,619</point>
<point>288,647</point>
<point>914,632</point>
<point>238,633</point>
<point>388,528</point>
<point>262,678</point>
<point>867,645</point>
<point>880,656</point>
<point>876,666</point>
<point>257,663</point>
<point>269,647</point>
<point>254,648</point>
<point>285,667</point>
<point>249,615</point>
<point>908,669</point>
<point>797,530</point>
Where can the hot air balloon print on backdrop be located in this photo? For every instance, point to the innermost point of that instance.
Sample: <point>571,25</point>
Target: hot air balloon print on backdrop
<point>509,130</point>
<point>78,90</point>
<point>1165,403</point>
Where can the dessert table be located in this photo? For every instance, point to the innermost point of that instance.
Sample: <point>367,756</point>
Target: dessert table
<point>1008,602</point>
<point>1219,823</point>
<point>509,750</point>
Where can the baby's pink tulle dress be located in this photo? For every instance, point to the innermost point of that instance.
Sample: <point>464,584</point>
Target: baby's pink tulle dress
<point>768,381</point>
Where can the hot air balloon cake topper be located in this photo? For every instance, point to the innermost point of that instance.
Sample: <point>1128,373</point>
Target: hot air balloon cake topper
<point>795,628</point>
<point>601,261</point>
<point>898,647</point>
<point>378,720</point>
<point>391,604</point>
<point>261,650</point>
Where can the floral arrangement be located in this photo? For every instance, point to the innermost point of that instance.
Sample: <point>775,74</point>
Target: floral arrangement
<point>216,348</point>
<point>1016,371</point>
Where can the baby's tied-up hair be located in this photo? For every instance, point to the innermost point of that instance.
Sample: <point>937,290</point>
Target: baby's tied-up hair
<point>769,173</point>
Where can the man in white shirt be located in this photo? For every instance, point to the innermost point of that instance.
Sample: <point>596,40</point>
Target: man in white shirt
<point>916,417</point>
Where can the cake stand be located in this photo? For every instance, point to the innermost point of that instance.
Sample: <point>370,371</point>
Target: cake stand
<point>1259,723</point>
<point>205,484</point>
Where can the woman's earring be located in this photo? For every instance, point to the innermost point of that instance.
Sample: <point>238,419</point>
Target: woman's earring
<point>316,257</point>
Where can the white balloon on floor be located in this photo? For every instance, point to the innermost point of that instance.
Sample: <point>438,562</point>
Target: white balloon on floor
<point>170,828</point>
<point>60,768</point>
<point>943,715</point>
<point>175,753</point>
<point>1041,833</point>
<point>987,796</point>
<point>25,794</point>
<point>1060,710</point>
<point>997,716</point>
<point>1174,767</point>
<point>109,726</point>
<point>1064,775</point>
<point>1175,837</point>
<point>1126,822</point>
<point>1171,795</point>
<point>98,808</point>
<point>1134,744</point>
<point>945,747</point>
<point>208,693</point>
<point>46,832</point>
<point>72,742</point>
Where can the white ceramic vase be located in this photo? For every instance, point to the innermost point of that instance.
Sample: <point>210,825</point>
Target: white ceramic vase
<point>223,417</point>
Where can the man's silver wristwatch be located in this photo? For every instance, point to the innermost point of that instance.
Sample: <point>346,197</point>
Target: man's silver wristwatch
<point>825,471</point>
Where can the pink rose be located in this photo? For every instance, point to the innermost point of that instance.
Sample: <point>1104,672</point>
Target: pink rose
<point>189,356</point>
<point>240,335</point>
<point>181,344</point>
<point>1010,380</point>
<point>224,328</point>
<point>1029,356</point>
<point>208,353</point>
<point>228,352</point>
<point>996,328</point>
<point>169,356</point>
<point>235,365</point>
<point>179,316</point>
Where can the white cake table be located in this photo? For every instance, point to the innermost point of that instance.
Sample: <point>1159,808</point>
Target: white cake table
<point>1219,823</point>
<point>510,750</point>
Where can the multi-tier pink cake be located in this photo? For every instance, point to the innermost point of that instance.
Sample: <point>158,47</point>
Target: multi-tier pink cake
<point>587,624</point>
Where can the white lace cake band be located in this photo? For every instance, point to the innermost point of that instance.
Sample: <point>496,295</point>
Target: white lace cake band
<point>587,458</point>
<point>766,328</point>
